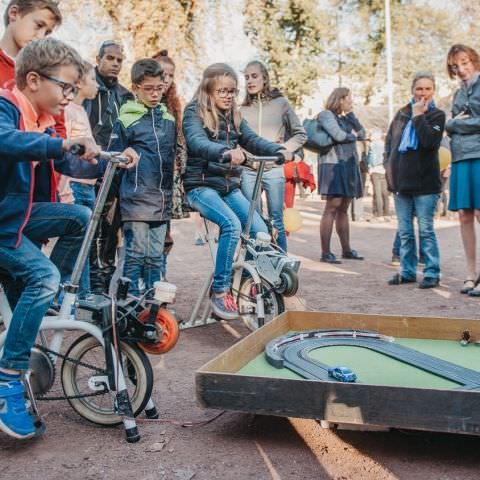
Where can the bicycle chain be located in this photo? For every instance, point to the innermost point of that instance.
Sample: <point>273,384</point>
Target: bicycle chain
<point>75,362</point>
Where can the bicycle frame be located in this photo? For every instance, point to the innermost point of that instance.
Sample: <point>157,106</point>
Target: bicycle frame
<point>239,264</point>
<point>66,321</point>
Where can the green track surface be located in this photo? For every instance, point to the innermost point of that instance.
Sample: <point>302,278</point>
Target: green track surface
<point>374,368</point>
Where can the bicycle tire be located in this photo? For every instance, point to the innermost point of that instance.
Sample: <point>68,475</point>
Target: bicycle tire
<point>138,376</point>
<point>247,303</point>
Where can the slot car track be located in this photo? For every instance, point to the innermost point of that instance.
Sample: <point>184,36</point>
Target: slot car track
<point>293,352</point>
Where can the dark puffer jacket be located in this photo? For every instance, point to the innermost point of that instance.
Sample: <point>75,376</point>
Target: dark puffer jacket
<point>146,191</point>
<point>415,172</point>
<point>104,109</point>
<point>204,151</point>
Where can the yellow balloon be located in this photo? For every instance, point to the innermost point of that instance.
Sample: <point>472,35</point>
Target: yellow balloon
<point>445,158</point>
<point>292,220</point>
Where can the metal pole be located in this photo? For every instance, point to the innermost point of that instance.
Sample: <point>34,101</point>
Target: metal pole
<point>388,46</point>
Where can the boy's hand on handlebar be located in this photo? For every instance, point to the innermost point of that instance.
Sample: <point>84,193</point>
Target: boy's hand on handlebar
<point>237,156</point>
<point>132,156</point>
<point>92,150</point>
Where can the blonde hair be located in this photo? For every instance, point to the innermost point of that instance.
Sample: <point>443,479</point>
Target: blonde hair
<point>334,101</point>
<point>204,97</point>
<point>45,56</point>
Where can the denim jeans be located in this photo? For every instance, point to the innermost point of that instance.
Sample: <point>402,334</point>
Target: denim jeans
<point>423,206</point>
<point>230,213</point>
<point>83,193</point>
<point>144,243</point>
<point>396,246</point>
<point>273,183</point>
<point>38,275</point>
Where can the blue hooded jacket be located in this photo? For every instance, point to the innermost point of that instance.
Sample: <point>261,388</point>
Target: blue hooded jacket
<point>146,191</point>
<point>21,182</point>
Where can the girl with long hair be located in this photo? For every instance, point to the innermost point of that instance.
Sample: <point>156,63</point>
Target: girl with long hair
<point>213,126</point>
<point>270,115</point>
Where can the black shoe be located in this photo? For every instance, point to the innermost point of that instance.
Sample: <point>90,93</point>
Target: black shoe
<point>429,282</point>
<point>352,255</point>
<point>329,258</point>
<point>397,279</point>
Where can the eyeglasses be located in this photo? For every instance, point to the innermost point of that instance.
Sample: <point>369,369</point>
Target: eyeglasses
<point>228,92</point>
<point>67,88</point>
<point>150,88</point>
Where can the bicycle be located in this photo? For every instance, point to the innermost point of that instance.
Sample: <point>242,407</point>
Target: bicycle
<point>263,273</point>
<point>105,374</point>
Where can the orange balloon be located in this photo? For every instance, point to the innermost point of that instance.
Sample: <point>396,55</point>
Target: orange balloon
<point>444,157</point>
<point>292,220</point>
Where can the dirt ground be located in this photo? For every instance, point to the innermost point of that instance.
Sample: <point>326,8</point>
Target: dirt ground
<point>239,446</point>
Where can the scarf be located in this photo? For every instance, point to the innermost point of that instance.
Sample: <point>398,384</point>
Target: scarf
<point>409,136</point>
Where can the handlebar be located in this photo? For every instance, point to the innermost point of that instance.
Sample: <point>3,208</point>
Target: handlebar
<point>115,157</point>
<point>278,159</point>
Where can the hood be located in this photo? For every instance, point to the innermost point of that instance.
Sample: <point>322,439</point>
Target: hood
<point>132,110</point>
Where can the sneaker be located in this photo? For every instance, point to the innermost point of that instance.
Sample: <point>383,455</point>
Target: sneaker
<point>15,419</point>
<point>395,260</point>
<point>397,279</point>
<point>224,307</point>
<point>329,258</point>
<point>429,282</point>
<point>352,255</point>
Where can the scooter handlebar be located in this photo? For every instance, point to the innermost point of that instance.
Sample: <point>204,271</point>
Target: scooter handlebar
<point>279,159</point>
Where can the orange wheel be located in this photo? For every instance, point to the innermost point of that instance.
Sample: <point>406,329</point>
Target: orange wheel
<point>167,326</point>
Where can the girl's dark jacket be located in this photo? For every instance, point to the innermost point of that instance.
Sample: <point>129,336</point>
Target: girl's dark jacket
<point>415,172</point>
<point>205,150</point>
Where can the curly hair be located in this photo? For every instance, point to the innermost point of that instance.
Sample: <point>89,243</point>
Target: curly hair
<point>172,100</point>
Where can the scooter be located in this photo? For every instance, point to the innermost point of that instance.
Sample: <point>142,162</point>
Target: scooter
<point>263,274</point>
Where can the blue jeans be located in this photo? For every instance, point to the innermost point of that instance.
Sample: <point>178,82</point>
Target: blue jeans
<point>144,243</point>
<point>423,206</point>
<point>38,275</point>
<point>273,183</point>
<point>230,213</point>
<point>396,246</point>
<point>83,193</point>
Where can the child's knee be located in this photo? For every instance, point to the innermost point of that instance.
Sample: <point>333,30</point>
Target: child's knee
<point>232,226</point>
<point>47,278</point>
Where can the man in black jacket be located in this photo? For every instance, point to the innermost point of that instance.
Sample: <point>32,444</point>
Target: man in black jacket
<point>103,110</point>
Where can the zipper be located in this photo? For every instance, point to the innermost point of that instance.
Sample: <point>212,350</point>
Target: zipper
<point>161,161</point>
<point>30,205</point>
<point>227,120</point>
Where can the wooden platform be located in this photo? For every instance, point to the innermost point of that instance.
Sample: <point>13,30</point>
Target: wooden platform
<point>219,384</point>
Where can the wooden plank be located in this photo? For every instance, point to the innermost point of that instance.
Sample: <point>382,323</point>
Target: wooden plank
<point>452,411</point>
<point>238,355</point>
<point>437,328</point>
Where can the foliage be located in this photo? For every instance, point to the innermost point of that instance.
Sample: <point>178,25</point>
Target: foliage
<point>291,38</point>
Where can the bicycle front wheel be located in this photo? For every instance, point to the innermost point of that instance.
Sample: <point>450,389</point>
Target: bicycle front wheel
<point>78,378</point>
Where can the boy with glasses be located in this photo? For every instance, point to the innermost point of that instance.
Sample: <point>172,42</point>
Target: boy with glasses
<point>146,192</point>
<point>46,73</point>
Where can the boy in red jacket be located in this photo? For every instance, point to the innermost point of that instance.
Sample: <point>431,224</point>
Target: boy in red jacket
<point>27,20</point>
